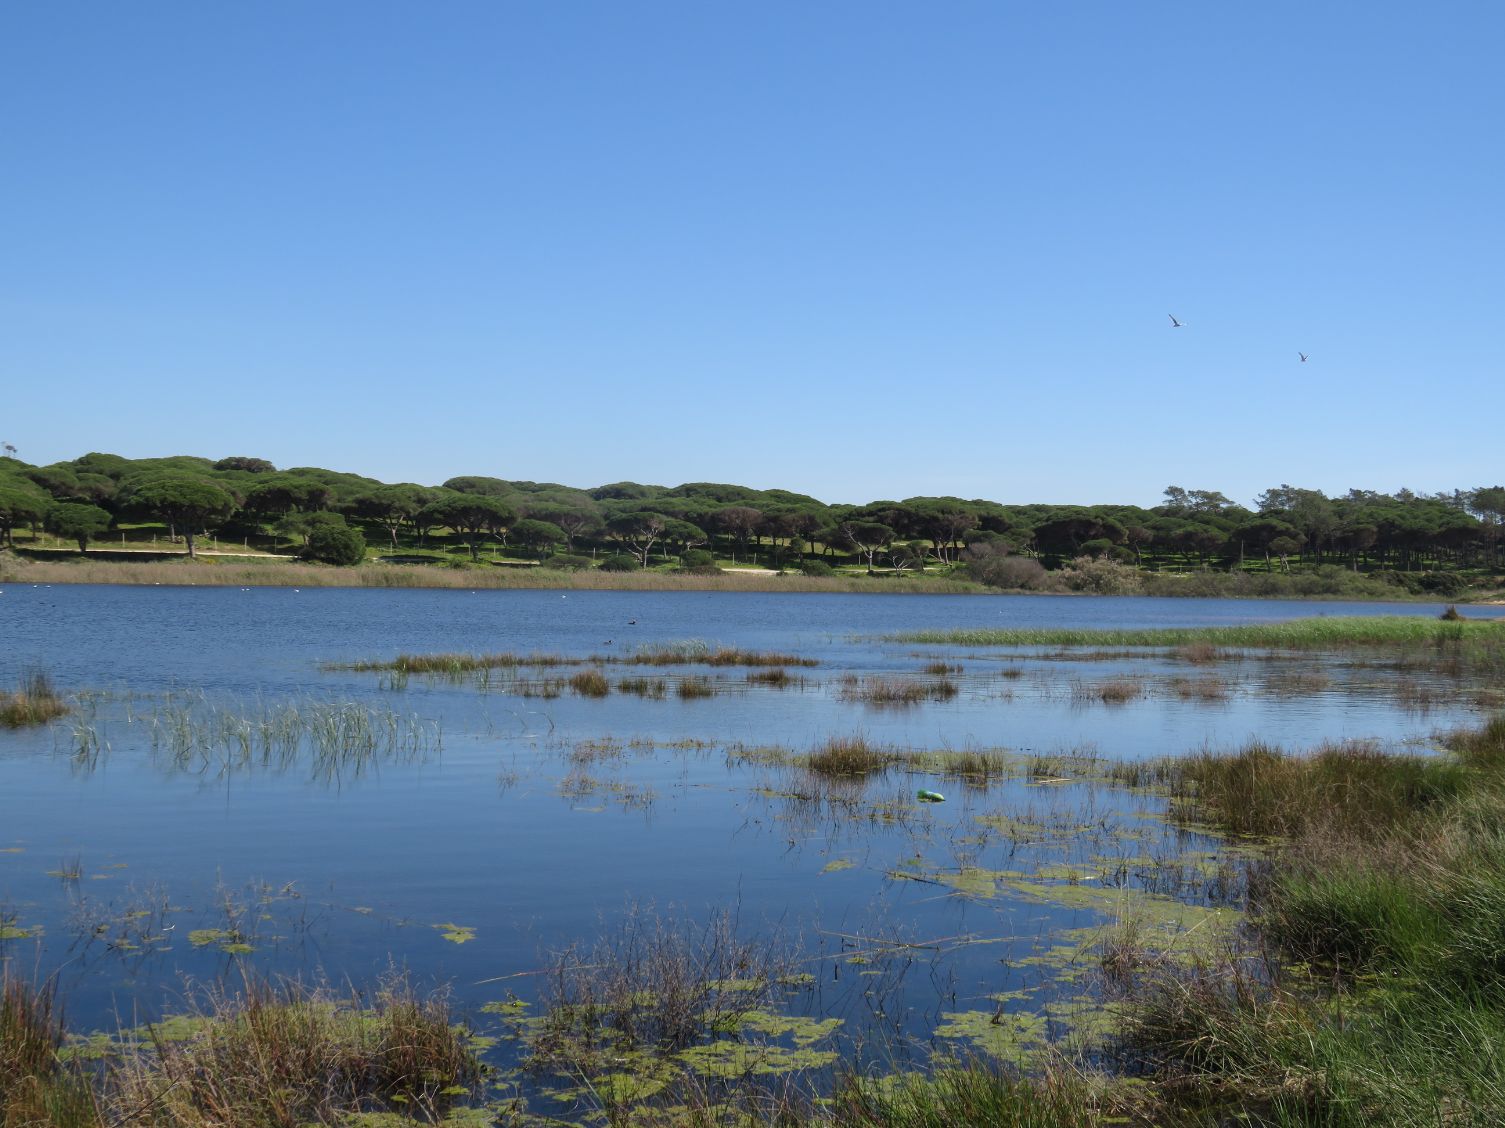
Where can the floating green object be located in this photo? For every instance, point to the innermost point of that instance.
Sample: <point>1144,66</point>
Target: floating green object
<point>929,796</point>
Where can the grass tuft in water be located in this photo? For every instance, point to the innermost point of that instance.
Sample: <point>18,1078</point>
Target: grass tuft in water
<point>590,683</point>
<point>35,702</point>
<point>850,756</point>
<point>896,691</point>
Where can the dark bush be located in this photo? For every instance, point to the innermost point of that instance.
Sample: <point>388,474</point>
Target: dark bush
<point>698,558</point>
<point>816,568</point>
<point>620,563</point>
<point>336,544</point>
<point>565,562</point>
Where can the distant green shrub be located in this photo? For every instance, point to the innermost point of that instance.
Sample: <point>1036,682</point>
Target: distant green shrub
<point>698,558</point>
<point>620,563</point>
<point>816,568</point>
<point>336,544</point>
<point>566,562</point>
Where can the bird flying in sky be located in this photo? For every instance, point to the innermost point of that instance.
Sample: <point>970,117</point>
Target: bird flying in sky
<point>1174,323</point>
<point>1302,355</point>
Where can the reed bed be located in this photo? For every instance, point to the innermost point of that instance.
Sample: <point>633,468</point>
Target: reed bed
<point>896,691</point>
<point>690,653</point>
<point>35,702</point>
<point>847,756</point>
<point>691,689</point>
<point>1114,691</point>
<point>776,678</point>
<point>654,688</point>
<point>1200,689</point>
<point>454,664</point>
<point>1315,633</point>
<point>694,652</point>
<point>973,766</point>
<point>941,669</point>
<point>338,738</point>
<point>590,683</point>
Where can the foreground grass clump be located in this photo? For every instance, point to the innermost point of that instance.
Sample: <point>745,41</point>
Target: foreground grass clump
<point>1377,996</point>
<point>267,1056</point>
<point>1338,789</point>
<point>35,1087</point>
<point>35,703</point>
<point>272,1056</point>
<point>661,1006</point>
<point>977,1092</point>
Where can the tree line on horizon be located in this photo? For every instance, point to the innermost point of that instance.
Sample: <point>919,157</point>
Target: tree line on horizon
<point>333,512</point>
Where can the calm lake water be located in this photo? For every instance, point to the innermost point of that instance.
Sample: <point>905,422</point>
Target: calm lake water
<point>489,827</point>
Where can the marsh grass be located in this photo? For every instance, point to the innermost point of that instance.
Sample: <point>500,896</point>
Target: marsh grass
<point>849,756</point>
<point>896,691</point>
<point>695,652</point>
<point>1315,633</point>
<point>659,984</point>
<point>338,738</point>
<point>285,1055</point>
<point>1200,653</point>
<point>654,688</point>
<point>1200,689</point>
<point>941,669</point>
<point>1114,691</point>
<point>35,702</point>
<point>776,678</point>
<point>590,683</point>
<point>1297,683</point>
<point>980,1091</point>
<point>693,689</point>
<point>1261,791</point>
<point>36,1088</point>
<point>974,766</point>
<point>690,652</point>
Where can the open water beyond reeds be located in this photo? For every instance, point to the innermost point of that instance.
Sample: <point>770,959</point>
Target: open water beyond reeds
<point>259,780</point>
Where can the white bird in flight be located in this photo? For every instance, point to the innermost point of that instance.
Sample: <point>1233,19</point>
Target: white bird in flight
<point>1174,323</point>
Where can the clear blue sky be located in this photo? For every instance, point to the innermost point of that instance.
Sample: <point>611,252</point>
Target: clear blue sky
<point>859,250</point>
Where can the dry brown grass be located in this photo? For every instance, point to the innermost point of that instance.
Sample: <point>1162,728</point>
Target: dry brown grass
<point>35,703</point>
<point>1114,691</point>
<point>896,691</point>
<point>590,683</point>
<point>850,756</point>
<point>279,573</point>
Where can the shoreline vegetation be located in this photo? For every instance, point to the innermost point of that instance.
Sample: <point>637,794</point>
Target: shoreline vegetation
<point>209,571</point>
<point>1365,988</point>
<point>103,518</point>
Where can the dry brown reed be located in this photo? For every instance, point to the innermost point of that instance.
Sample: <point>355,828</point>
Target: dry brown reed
<point>896,691</point>
<point>850,756</point>
<point>1114,691</point>
<point>35,702</point>
<point>778,678</point>
<point>590,683</point>
<point>222,572</point>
